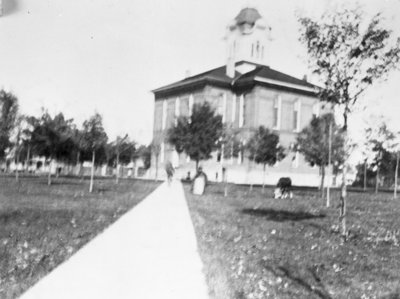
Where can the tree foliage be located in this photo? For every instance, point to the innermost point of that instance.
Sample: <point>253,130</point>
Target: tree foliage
<point>230,144</point>
<point>313,142</point>
<point>348,53</point>
<point>264,147</point>
<point>123,150</point>
<point>52,137</point>
<point>94,138</point>
<point>197,135</point>
<point>8,117</point>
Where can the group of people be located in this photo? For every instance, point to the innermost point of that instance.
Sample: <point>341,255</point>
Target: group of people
<point>198,183</point>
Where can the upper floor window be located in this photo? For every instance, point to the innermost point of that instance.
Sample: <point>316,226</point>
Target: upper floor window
<point>296,115</point>
<point>277,113</point>
<point>222,106</point>
<point>177,109</point>
<point>316,110</point>
<point>190,105</point>
<point>233,109</point>
<point>164,115</point>
<point>241,111</point>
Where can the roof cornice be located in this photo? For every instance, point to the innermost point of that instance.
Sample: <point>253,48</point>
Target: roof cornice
<point>285,84</point>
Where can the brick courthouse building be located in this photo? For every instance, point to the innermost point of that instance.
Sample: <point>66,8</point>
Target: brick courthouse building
<point>248,94</point>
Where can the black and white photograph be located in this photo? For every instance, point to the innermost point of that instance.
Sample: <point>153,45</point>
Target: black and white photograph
<point>182,149</point>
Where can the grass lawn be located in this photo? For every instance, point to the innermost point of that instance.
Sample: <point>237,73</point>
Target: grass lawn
<point>253,246</point>
<point>42,226</point>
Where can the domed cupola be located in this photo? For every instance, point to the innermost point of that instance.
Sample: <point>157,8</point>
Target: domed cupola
<point>248,16</point>
<point>247,37</point>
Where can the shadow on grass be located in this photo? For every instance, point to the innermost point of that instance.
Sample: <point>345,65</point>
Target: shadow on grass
<point>316,288</point>
<point>394,295</point>
<point>281,215</point>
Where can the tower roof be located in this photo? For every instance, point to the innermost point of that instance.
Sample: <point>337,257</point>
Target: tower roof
<point>248,15</point>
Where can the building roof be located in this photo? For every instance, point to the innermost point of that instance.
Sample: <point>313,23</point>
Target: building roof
<point>248,15</point>
<point>260,75</point>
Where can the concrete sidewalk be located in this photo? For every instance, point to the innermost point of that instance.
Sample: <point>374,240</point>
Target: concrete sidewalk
<point>150,252</point>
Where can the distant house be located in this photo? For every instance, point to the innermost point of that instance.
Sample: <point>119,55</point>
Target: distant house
<point>247,93</point>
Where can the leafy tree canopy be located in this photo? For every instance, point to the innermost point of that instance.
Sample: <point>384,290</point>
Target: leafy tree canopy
<point>264,147</point>
<point>8,117</point>
<point>313,141</point>
<point>94,138</point>
<point>348,53</point>
<point>199,134</point>
<point>52,137</point>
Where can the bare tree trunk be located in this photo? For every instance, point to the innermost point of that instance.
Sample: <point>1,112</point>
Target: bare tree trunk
<point>49,174</point>
<point>251,182</point>
<point>92,172</point>
<point>197,166</point>
<point>328,187</point>
<point>365,175</point>
<point>28,158</point>
<point>396,176</point>
<point>322,188</point>
<point>263,184</point>
<point>343,194</point>
<point>225,181</point>
<point>78,164</point>
<point>377,181</point>
<point>16,170</point>
<point>117,170</point>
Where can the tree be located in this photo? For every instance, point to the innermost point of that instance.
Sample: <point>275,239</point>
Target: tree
<point>144,152</point>
<point>94,139</point>
<point>79,148</point>
<point>123,151</point>
<point>22,140</point>
<point>197,135</point>
<point>381,141</point>
<point>264,148</point>
<point>52,138</point>
<point>349,54</point>
<point>8,118</point>
<point>229,148</point>
<point>313,143</point>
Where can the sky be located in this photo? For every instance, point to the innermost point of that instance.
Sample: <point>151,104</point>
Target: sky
<point>81,57</point>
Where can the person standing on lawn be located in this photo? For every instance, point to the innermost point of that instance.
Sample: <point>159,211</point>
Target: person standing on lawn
<point>169,169</point>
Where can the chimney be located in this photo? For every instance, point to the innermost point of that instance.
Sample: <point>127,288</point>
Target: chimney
<point>305,78</point>
<point>187,73</point>
<point>230,67</point>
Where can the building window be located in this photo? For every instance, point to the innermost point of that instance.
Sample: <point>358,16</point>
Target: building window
<point>296,115</point>
<point>175,158</point>
<point>316,110</point>
<point>177,109</point>
<point>162,152</point>
<point>252,50</point>
<point>222,107</point>
<point>277,113</point>
<point>233,109</point>
<point>190,105</point>
<point>258,49</point>
<point>241,111</point>
<point>164,115</point>
<point>262,52</point>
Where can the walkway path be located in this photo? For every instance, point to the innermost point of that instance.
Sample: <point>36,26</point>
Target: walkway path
<point>150,252</point>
